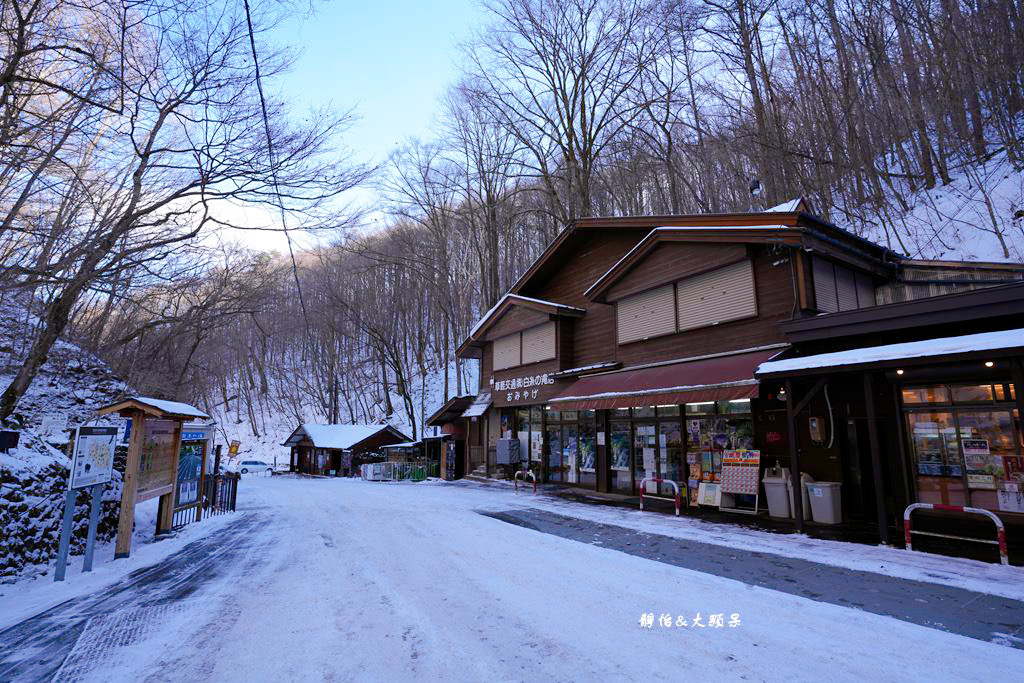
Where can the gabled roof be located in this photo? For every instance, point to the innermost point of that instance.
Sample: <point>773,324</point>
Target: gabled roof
<point>156,407</point>
<point>450,411</point>
<point>340,437</point>
<point>778,234</point>
<point>502,307</point>
<point>831,236</point>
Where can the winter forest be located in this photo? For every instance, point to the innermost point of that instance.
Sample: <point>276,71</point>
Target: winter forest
<point>131,134</point>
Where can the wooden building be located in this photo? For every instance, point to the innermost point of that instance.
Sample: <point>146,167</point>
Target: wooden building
<point>338,450</point>
<point>919,402</point>
<point>629,349</point>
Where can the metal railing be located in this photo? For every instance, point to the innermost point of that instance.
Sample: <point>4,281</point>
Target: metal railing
<point>398,471</point>
<point>525,474</point>
<point>659,480</point>
<point>1000,531</point>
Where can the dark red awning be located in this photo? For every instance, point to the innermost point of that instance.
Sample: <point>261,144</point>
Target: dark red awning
<point>710,379</point>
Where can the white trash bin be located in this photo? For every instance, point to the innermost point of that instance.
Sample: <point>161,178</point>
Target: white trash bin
<point>826,502</point>
<point>775,491</point>
<point>806,479</point>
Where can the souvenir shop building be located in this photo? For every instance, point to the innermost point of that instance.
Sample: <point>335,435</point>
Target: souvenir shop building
<point>630,348</point>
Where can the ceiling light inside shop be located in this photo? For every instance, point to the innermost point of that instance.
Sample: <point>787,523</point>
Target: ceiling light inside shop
<point>899,372</point>
<point>989,364</point>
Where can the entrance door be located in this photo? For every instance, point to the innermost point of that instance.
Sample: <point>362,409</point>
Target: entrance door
<point>555,470</point>
<point>670,456</point>
<point>645,448</point>
<point>570,459</point>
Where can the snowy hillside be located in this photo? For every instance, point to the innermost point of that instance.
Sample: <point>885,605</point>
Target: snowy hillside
<point>70,386</point>
<point>978,216</point>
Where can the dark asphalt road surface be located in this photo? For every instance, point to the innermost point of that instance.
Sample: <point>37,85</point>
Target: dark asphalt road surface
<point>976,615</point>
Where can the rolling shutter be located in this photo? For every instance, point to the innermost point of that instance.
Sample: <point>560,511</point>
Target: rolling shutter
<point>865,291</point>
<point>846,289</point>
<point>539,343</point>
<point>825,286</point>
<point>506,351</point>
<point>647,314</point>
<point>717,296</point>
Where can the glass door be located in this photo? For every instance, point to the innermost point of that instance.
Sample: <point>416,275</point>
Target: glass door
<point>570,459</point>
<point>670,455</point>
<point>555,470</point>
<point>645,448</point>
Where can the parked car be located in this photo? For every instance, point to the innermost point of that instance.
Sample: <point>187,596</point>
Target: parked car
<point>254,466</point>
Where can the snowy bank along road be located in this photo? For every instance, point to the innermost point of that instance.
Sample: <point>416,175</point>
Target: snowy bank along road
<point>328,579</point>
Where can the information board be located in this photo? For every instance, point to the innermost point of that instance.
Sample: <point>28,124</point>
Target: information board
<point>156,462</point>
<point>92,461</point>
<point>740,470</point>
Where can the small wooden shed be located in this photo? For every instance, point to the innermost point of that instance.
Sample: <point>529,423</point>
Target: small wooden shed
<point>337,450</point>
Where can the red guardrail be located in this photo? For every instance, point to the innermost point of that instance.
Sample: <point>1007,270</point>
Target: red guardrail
<point>659,480</point>
<point>525,473</point>
<point>1000,530</point>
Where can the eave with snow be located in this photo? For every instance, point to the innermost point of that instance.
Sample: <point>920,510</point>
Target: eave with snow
<point>156,408</point>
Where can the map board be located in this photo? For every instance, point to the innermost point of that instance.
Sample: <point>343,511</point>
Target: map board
<point>92,461</point>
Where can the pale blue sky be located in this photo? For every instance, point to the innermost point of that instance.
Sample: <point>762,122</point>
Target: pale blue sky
<point>391,60</point>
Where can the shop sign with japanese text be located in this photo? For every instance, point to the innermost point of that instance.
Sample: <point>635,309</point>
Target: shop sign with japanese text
<point>525,390</point>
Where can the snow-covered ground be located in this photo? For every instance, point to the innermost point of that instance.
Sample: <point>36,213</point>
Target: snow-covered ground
<point>351,580</point>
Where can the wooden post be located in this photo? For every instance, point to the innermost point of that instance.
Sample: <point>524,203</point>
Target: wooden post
<point>202,481</point>
<point>876,459</point>
<point>126,517</point>
<point>794,460</point>
<point>94,520</point>
<point>166,512</point>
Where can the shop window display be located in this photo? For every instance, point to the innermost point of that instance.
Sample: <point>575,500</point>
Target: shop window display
<point>707,440</point>
<point>621,479</point>
<point>968,451</point>
<point>588,448</point>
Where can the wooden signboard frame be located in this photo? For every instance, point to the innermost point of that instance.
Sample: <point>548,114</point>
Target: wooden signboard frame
<point>139,411</point>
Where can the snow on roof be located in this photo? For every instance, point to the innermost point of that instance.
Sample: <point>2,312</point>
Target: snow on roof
<point>173,407</point>
<point>983,341</point>
<point>510,295</point>
<point>340,436</point>
<point>642,244</point>
<point>479,405</point>
<point>404,444</point>
<point>785,207</point>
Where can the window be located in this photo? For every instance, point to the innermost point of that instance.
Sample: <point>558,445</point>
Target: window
<point>837,288</point>
<point>966,445</point>
<point>539,343</point>
<point>716,297</point>
<point>529,346</point>
<point>506,352</point>
<point>645,315</point>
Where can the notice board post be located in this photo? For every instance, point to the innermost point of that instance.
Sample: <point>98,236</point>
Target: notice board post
<point>152,465</point>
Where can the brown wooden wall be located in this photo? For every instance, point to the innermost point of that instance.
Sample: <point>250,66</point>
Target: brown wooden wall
<point>774,288</point>
<point>671,261</point>
<point>516,319</point>
<point>592,338</point>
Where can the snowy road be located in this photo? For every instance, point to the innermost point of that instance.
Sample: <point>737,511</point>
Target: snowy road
<point>349,580</point>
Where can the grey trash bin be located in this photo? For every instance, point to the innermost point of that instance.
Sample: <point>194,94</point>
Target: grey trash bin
<point>775,492</point>
<point>806,479</point>
<point>826,502</point>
